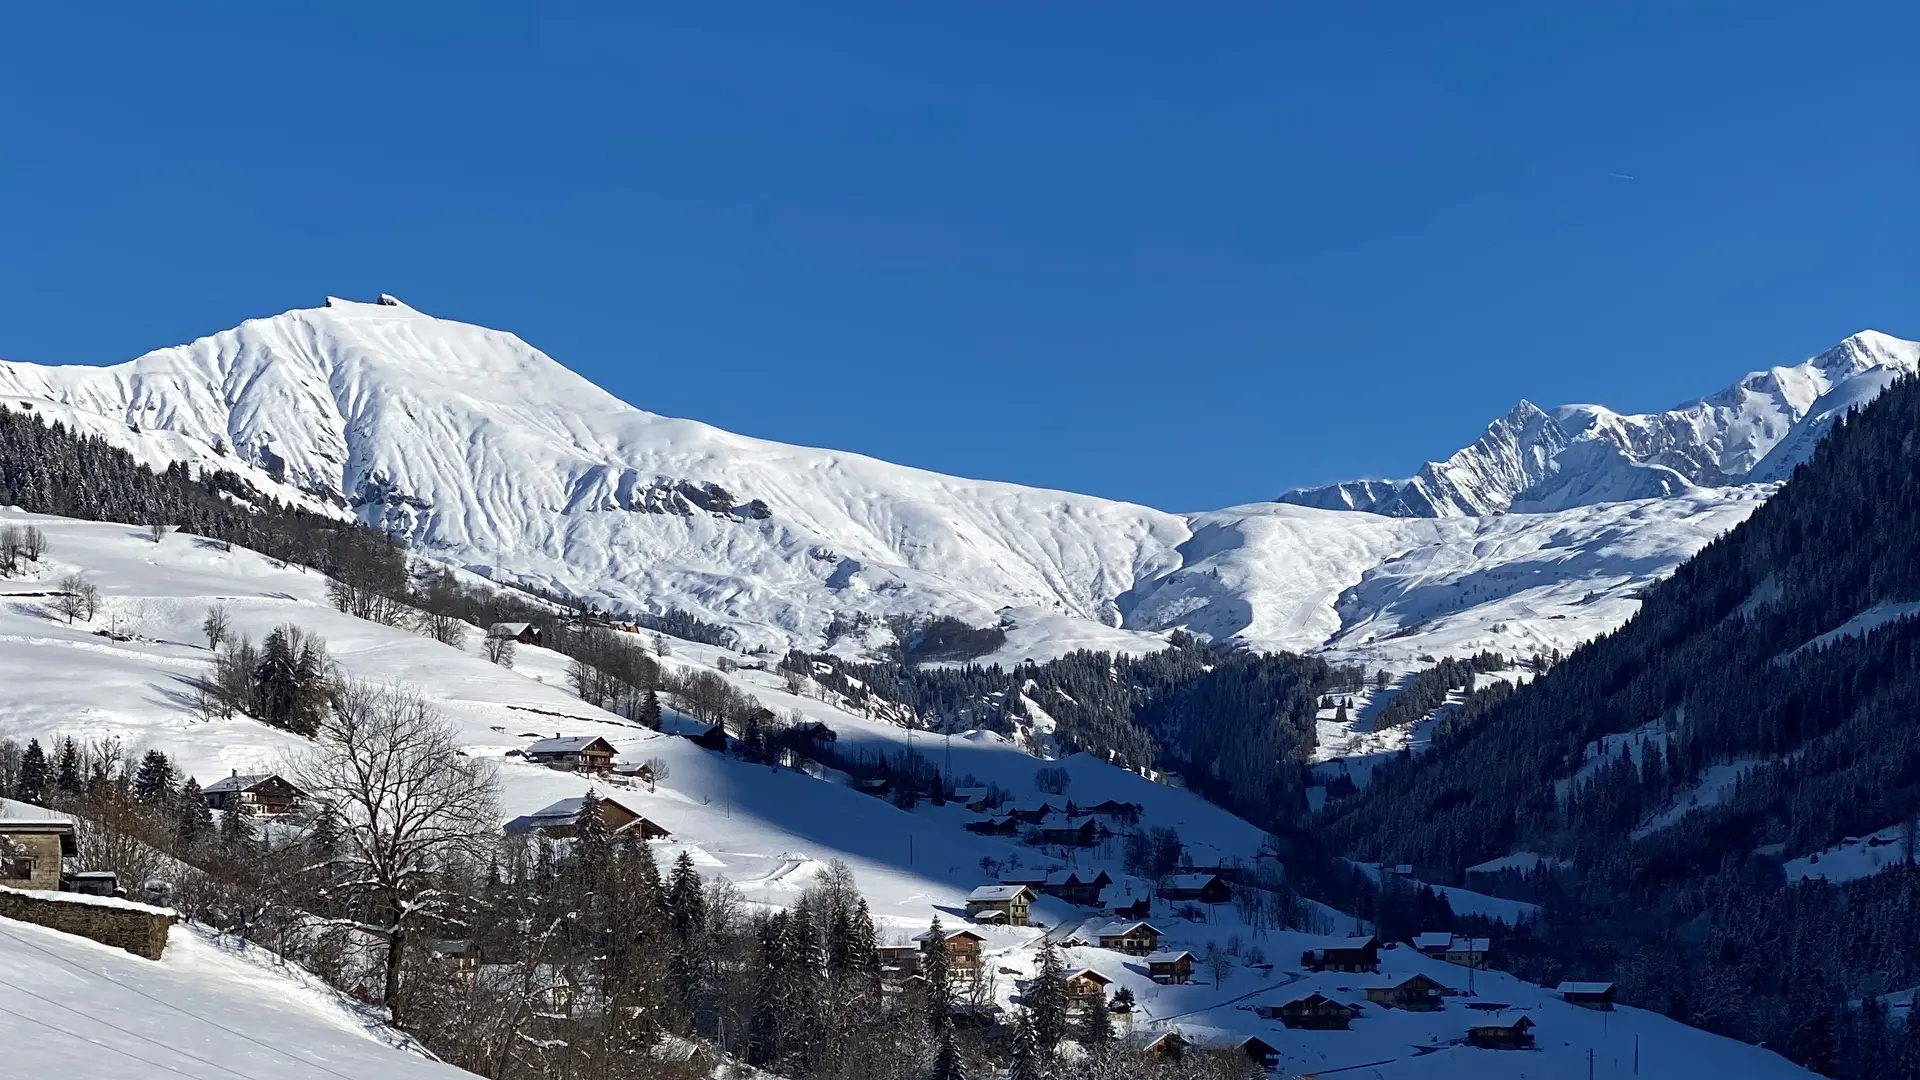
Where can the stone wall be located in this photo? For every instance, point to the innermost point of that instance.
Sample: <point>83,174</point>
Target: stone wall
<point>138,928</point>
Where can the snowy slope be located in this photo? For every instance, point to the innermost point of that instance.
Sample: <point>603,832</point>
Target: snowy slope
<point>768,830</point>
<point>485,452</point>
<point>1530,460</point>
<point>77,1010</point>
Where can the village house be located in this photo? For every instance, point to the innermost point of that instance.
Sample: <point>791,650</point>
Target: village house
<point>973,798</point>
<point>1416,994</point>
<point>1515,1036</point>
<point>1467,952</point>
<point>462,956</point>
<point>1088,987</point>
<point>522,632</point>
<point>898,963</point>
<point>877,786</point>
<point>260,794</point>
<point>711,737</point>
<point>561,820</point>
<point>1171,1045</point>
<point>639,772</point>
<point>1140,908</point>
<point>577,753</point>
<point>1587,995</point>
<point>1126,813</point>
<point>1133,938</point>
<point>1005,826</point>
<point>1073,886</point>
<point>1031,814</point>
<point>1314,1012</point>
<point>1059,830</point>
<point>963,948</point>
<point>1005,904</point>
<point>33,851</point>
<point>1204,888</point>
<point>1352,955</point>
<point>1170,966</point>
<point>1259,1051</point>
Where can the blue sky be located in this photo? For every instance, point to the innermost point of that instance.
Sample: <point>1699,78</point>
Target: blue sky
<point>1185,254</point>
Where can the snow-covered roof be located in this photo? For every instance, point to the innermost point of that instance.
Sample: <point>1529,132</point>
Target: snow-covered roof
<point>508,629</point>
<point>1123,927</point>
<point>560,813</point>
<point>998,893</point>
<point>947,935</point>
<point>1583,988</point>
<point>236,782</point>
<point>1167,956</point>
<point>1090,975</point>
<point>1191,882</point>
<point>1432,939</point>
<point>564,744</point>
<point>21,824</point>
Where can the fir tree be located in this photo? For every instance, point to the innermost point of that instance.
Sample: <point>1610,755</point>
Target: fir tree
<point>67,775</point>
<point>946,1060</point>
<point>650,709</point>
<point>686,902</point>
<point>324,835</point>
<point>194,822</point>
<point>1095,1025</point>
<point>236,832</point>
<point>1026,1055</point>
<point>592,846</point>
<point>1046,999</point>
<point>153,783</point>
<point>939,973</point>
<point>35,774</point>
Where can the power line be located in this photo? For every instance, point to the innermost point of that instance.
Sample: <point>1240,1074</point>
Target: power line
<point>96,1044</point>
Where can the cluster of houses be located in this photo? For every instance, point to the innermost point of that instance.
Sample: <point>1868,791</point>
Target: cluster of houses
<point>1046,825</point>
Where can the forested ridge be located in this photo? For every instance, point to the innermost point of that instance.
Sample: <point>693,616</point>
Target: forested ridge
<point>1679,897</point>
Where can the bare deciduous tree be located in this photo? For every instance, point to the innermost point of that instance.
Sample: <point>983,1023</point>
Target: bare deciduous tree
<point>499,649</point>
<point>410,806</point>
<point>657,771</point>
<point>33,543</point>
<point>445,629</point>
<point>78,598</point>
<point>216,625</point>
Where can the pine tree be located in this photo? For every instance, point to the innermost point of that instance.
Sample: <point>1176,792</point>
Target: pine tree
<point>153,783</point>
<point>939,973</point>
<point>236,832</point>
<point>1026,1055</point>
<point>946,1061</point>
<point>324,835</point>
<point>686,902</point>
<point>67,775</point>
<point>592,846</point>
<point>1046,999</point>
<point>35,774</point>
<point>650,709</point>
<point>194,822</point>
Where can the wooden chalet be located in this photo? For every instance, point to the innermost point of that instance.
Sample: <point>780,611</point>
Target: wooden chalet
<point>877,786</point>
<point>262,794</point>
<point>1441,945</point>
<point>522,632</point>
<point>561,820</point>
<point>1259,1051</point>
<point>1005,826</point>
<point>1139,909</point>
<point>1170,966</point>
<point>1201,888</point>
<point>1415,994</point>
<point>1171,1045</point>
<point>712,737</point>
<point>1005,904</point>
<point>575,753</point>
<point>1315,1012</point>
<point>1073,886</point>
<point>1133,938</point>
<point>898,963</point>
<point>1515,1036</point>
<point>963,948</point>
<point>1126,812</point>
<point>1087,986</point>
<point>33,851</point>
<point>1587,995</point>
<point>1353,955</point>
<point>460,955</point>
<point>1058,830</point>
<point>1031,814</point>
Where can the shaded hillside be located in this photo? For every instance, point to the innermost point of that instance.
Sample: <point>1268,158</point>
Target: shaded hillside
<point>1764,704</point>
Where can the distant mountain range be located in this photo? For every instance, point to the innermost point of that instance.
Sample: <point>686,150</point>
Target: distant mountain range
<point>1533,460</point>
<point>479,449</point>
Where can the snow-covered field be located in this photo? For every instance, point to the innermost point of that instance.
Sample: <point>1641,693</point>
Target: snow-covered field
<point>77,1010</point>
<point>766,829</point>
<point>480,448</point>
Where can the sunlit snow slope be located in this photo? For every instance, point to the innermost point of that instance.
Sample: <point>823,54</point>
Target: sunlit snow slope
<point>480,449</point>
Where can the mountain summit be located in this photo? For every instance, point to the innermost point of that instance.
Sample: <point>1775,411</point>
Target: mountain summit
<point>480,450</point>
<point>1756,430</point>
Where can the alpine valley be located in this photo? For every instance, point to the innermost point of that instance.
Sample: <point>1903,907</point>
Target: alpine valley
<point>1583,751</point>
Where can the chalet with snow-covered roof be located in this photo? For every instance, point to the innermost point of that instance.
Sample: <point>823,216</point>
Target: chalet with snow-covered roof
<point>711,737</point>
<point>973,798</point>
<point>262,794</point>
<point>1201,888</point>
<point>1061,831</point>
<point>1587,995</point>
<point>1417,993</point>
<point>1171,1045</point>
<point>461,955</point>
<point>898,963</point>
<point>1258,1050</point>
<point>1087,986</point>
<point>1004,904</point>
<point>1432,943</point>
<point>1353,954</point>
<point>1170,966</point>
<point>963,948</point>
<point>1467,951</point>
<point>576,753</point>
<point>1074,886</point>
<point>1132,937</point>
<point>1124,812</point>
<point>1001,826</point>
<point>1517,1035</point>
<point>523,632</point>
<point>33,851</point>
<point>1312,1012</point>
<point>561,820</point>
<point>1031,813</point>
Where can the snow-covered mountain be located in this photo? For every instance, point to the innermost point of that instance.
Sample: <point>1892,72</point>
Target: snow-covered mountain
<point>481,450</point>
<point>1533,460</point>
